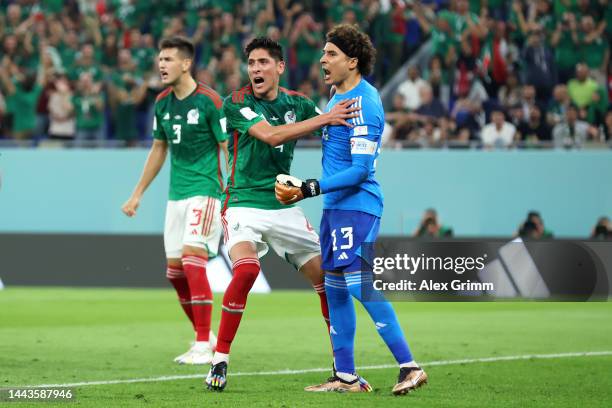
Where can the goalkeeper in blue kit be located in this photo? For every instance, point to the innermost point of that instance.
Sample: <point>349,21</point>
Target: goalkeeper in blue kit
<point>352,208</point>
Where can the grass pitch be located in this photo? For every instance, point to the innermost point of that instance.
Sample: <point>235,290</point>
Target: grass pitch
<point>65,336</point>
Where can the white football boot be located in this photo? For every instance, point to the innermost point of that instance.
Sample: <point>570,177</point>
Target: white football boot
<point>198,354</point>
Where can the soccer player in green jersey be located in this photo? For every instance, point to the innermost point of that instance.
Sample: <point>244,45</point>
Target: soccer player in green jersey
<point>265,120</point>
<point>186,121</point>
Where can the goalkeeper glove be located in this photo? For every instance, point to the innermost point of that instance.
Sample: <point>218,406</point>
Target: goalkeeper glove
<point>289,189</point>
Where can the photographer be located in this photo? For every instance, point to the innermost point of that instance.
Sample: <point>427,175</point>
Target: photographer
<point>430,227</point>
<point>602,230</point>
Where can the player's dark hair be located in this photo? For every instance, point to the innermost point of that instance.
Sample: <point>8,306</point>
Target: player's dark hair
<point>354,44</point>
<point>182,44</point>
<point>274,48</point>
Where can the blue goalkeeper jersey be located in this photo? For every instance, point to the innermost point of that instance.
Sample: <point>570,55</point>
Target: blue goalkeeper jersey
<point>359,146</point>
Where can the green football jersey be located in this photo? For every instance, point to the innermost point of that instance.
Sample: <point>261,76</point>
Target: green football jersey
<point>192,130</point>
<point>255,164</point>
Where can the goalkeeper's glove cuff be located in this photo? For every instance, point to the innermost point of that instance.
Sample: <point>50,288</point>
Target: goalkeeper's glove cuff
<point>310,188</point>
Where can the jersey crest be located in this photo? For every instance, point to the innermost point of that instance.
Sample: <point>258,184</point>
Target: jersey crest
<point>193,117</point>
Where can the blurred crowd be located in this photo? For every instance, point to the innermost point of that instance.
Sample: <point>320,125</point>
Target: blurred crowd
<point>85,70</point>
<point>499,73</point>
<point>507,73</point>
<point>430,227</point>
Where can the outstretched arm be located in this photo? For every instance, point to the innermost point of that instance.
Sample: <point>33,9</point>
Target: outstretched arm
<point>277,135</point>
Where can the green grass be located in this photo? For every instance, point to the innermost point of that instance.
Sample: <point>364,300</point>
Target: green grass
<point>74,335</point>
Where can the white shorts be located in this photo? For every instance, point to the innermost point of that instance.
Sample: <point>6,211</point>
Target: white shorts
<point>194,221</point>
<point>287,231</point>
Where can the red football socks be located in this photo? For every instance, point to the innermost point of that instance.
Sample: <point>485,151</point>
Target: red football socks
<point>234,301</point>
<point>177,278</point>
<point>201,295</point>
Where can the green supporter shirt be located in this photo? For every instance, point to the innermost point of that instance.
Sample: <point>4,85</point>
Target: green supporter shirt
<point>567,53</point>
<point>22,104</point>
<point>594,52</point>
<point>255,164</point>
<point>192,129</point>
<point>89,116</point>
<point>458,22</point>
<point>441,42</point>
<point>581,92</point>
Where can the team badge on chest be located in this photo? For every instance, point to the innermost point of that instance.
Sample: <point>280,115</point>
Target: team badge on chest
<point>192,117</point>
<point>290,117</point>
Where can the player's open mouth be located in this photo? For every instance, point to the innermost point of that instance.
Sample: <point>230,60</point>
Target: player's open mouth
<point>258,80</point>
<point>326,74</point>
<point>164,75</point>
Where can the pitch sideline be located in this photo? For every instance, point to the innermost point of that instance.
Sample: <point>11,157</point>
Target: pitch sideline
<point>317,370</point>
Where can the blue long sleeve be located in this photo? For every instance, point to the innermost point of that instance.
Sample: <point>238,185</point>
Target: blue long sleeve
<point>352,176</point>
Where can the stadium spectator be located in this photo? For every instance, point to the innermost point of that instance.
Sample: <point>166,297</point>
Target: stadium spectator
<point>61,110</point>
<point>126,91</point>
<point>69,49</point>
<point>516,115</point>
<point>430,227</point>
<point>396,33</point>
<point>558,105</point>
<point>428,134</point>
<point>410,89</point>
<point>479,51</point>
<point>110,52</point>
<point>86,62</point>
<point>464,22</point>
<point>510,93</point>
<point>440,32</point>
<point>498,133</point>
<point>539,65</point>
<point>582,87</point>
<point>497,58</point>
<point>466,69</point>
<point>566,44</point>
<point>88,103</point>
<point>399,119</point>
<point>535,129</point>
<point>572,131</point>
<point>307,41</point>
<point>595,48</point>
<point>595,111</point>
<point>438,78</point>
<point>528,100</point>
<point>22,91</point>
<point>469,118</point>
<point>430,107</point>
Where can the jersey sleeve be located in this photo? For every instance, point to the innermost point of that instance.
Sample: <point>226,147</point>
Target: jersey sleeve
<point>238,116</point>
<point>213,116</point>
<point>158,130</point>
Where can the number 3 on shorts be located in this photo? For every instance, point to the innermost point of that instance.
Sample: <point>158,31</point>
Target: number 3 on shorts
<point>347,233</point>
